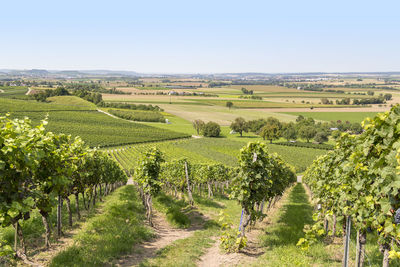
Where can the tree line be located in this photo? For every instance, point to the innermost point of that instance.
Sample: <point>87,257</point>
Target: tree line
<point>305,128</point>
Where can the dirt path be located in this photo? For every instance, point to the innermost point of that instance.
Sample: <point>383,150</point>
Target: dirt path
<point>29,91</point>
<point>214,257</point>
<point>44,257</point>
<point>165,235</point>
<point>1,91</point>
<point>109,114</point>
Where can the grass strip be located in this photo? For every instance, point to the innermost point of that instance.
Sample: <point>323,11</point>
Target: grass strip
<point>173,209</point>
<point>286,228</point>
<point>110,234</point>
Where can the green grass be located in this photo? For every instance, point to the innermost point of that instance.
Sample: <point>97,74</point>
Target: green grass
<point>177,124</point>
<point>286,228</point>
<point>186,252</point>
<point>33,228</point>
<point>153,88</point>
<point>334,116</point>
<point>110,234</point>
<point>174,210</point>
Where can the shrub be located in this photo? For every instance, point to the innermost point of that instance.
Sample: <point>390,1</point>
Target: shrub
<point>321,137</point>
<point>150,116</point>
<point>211,129</point>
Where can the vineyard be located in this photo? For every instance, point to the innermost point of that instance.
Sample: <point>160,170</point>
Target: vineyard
<point>13,92</point>
<point>138,115</point>
<point>230,199</point>
<point>72,115</point>
<point>211,150</point>
<point>358,185</point>
<point>40,171</point>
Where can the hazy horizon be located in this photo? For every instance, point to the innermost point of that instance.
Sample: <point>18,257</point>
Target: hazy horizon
<point>181,37</point>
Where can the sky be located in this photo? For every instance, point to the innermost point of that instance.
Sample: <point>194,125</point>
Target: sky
<point>201,36</point>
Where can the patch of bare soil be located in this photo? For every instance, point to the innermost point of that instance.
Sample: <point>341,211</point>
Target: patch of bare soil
<point>43,256</point>
<point>215,257</point>
<point>164,235</point>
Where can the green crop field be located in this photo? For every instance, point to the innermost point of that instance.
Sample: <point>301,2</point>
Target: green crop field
<point>334,116</point>
<point>13,92</point>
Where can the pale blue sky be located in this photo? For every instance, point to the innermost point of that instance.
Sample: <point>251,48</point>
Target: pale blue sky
<point>201,36</point>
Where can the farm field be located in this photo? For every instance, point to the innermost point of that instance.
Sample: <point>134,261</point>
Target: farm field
<point>220,114</point>
<point>264,104</point>
<point>334,116</point>
<point>199,134</point>
<point>185,231</point>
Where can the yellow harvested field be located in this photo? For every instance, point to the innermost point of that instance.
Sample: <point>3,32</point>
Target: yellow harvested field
<point>360,109</point>
<point>221,115</point>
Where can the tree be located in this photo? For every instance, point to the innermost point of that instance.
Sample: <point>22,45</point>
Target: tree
<point>289,131</point>
<point>387,97</point>
<point>356,128</point>
<point>229,104</point>
<point>211,129</point>
<point>239,125</point>
<point>321,137</point>
<point>256,125</point>
<point>270,132</point>
<point>299,118</point>
<point>198,125</point>
<point>307,132</point>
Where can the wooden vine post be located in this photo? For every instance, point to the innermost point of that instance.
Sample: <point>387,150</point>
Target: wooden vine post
<point>191,201</point>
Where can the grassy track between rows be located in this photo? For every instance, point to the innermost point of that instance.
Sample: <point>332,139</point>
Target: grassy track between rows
<point>187,251</point>
<point>287,227</point>
<point>110,234</point>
